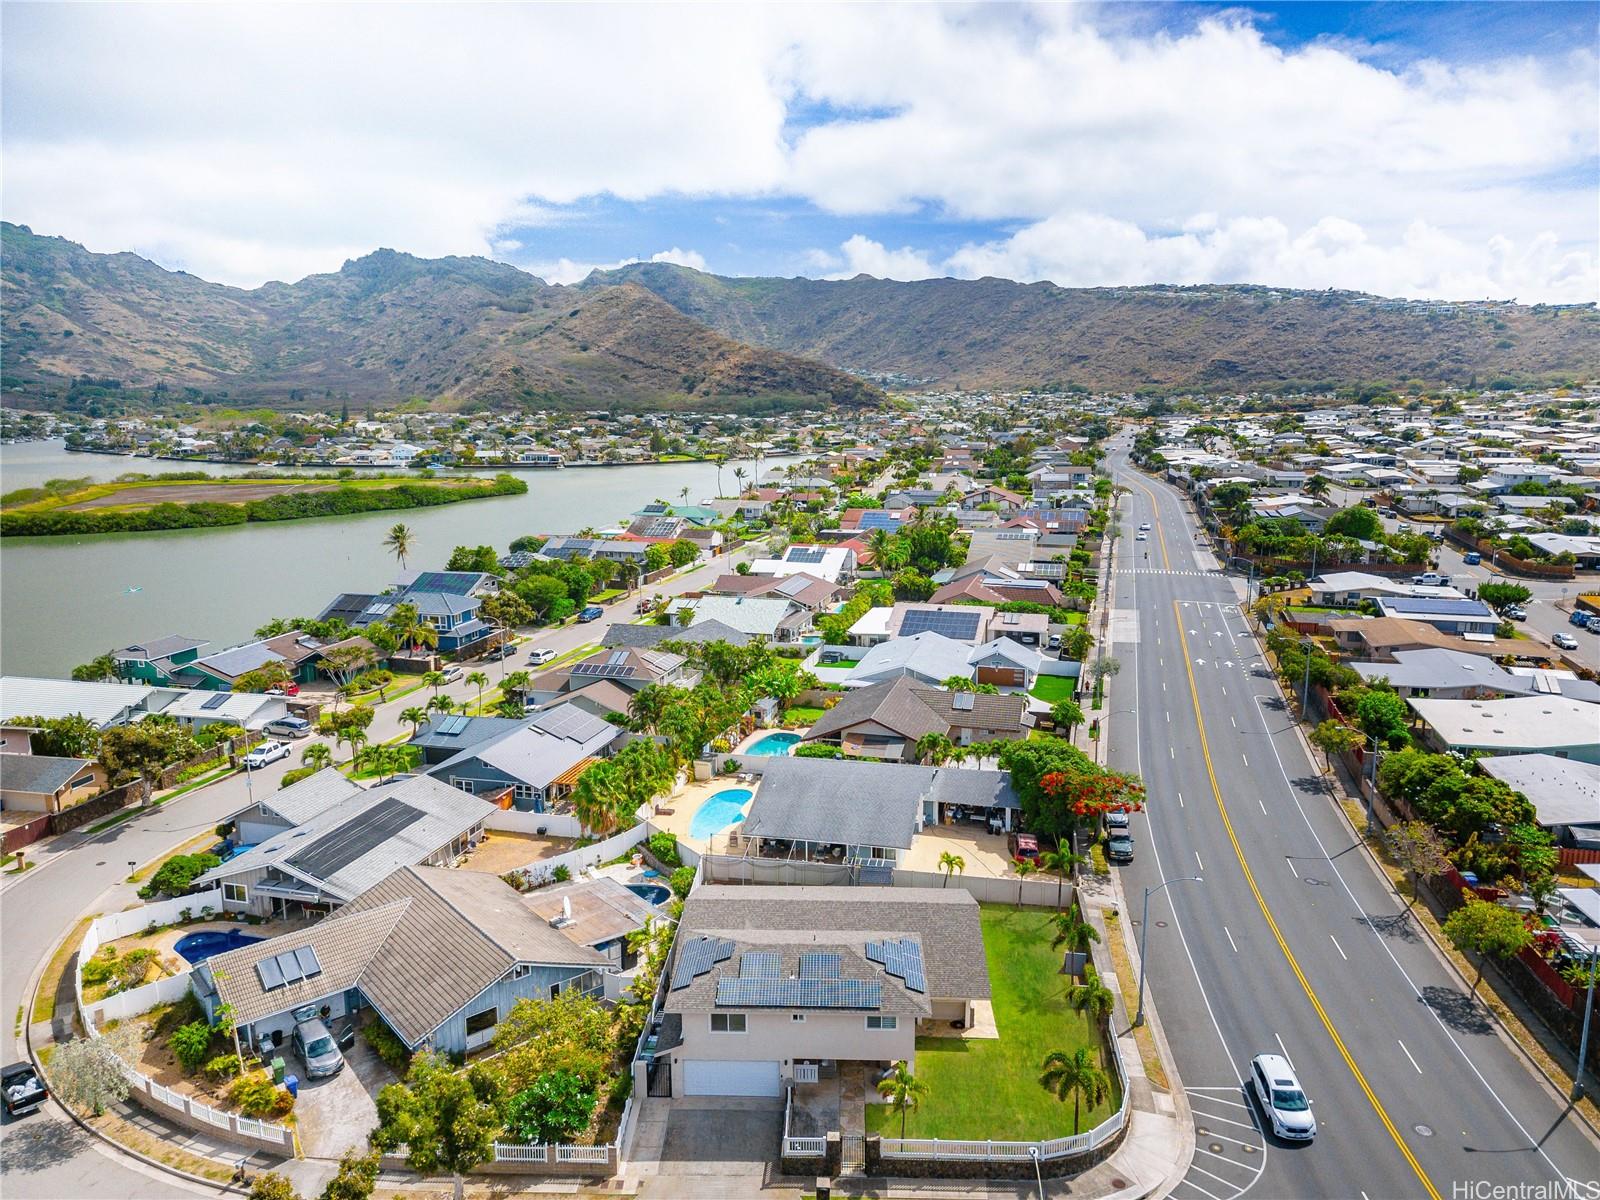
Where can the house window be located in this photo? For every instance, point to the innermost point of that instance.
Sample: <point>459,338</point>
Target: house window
<point>522,970</point>
<point>797,1016</point>
<point>883,1022</point>
<point>478,1022</point>
<point>236,892</point>
<point>464,785</point>
<point>524,791</point>
<point>727,1022</point>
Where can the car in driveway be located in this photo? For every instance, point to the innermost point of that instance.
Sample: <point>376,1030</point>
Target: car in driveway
<point>1024,847</point>
<point>285,689</point>
<point>22,1089</point>
<point>1119,847</point>
<point>1278,1091</point>
<point>1516,612</point>
<point>314,1043</point>
<point>264,754</point>
<point>541,655</point>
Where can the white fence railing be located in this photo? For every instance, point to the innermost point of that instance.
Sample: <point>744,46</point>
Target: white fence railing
<point>805,1072</point>
<point>166,1101</point>
<point>515,1152</point>
<point>987,889</point>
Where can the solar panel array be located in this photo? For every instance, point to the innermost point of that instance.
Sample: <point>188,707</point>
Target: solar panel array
<point>962,701</point>
<point>361,834</point>
<point>760,964</point>
<point>804,554</point>
<point>453,583</point>
<point>793,585</point>
<point>604,670</point>
<point>291,966</point>
<point>660,527</point>
<point>697,957</point>
<point>452,726</point>
<point>217,701</point>
<point>818,965</point>
<point>566,721</point>
<point>902,958</point>
<point>961,626</point>
<point>800,993</point>
<point>879,520</point>
<point>1014,535</point>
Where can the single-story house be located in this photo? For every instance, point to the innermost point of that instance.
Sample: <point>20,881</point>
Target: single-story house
<point>1447,616</point>
<point>248,710</point>
<point>344,848</point>
<point>810,592</point>
<point>624,634</point>
<point>1349,588</point>
<point>103,704</point>
<point>40,783</point>
<point>1443,675</point>
<point>155,661</point>
<point>440,955</point>
<point>596,913</point>
<point>626,667</point>
<point>768,618</point>
<point>886,719</point>
<point>833,563</point>
<point>539,760</point>
<point>764,978</point>
<point>1526,725</point>
<point>1379,639</point>
<point>1564,792</point>
<point>297,651</point>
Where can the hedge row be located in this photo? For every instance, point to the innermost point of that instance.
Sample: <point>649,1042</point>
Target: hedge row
<point>291,506</point>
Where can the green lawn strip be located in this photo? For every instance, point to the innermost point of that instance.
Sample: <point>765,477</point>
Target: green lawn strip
<point>803,713</point>
<point>1051,688</point>
<point>989,1088</point>
<point>605,597</point>
<point>99,491</point>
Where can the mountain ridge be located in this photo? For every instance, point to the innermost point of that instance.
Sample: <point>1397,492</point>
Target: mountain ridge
<point>385,326</point>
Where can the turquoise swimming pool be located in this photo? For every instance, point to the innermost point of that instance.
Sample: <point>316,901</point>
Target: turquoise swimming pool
<point>774,743</point>
<point>718,812</point>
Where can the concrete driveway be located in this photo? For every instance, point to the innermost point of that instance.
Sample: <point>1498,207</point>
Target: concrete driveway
<point>335,1115</point>
<point>715,1147</point>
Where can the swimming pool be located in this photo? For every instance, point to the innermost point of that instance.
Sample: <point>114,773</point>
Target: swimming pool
<point>197,947</point>
<point>651,893</point>
<point>774,743</point>
<point>719,811</point>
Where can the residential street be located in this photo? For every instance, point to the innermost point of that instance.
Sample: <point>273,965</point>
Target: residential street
<point>85,875</point>
<point>1292,943</point>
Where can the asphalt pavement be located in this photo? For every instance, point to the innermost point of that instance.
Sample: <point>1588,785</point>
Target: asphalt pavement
<point>81,874</point>
<point>1292,943</point>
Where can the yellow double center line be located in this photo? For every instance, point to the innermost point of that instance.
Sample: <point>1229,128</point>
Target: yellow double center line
<point>1222,809</point>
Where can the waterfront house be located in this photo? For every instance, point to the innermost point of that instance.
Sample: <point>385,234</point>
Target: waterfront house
<point>102,704</point>
<point>440,955</point>
<point>155,661</point>
<point>296,651</point>
<point>764,979</point>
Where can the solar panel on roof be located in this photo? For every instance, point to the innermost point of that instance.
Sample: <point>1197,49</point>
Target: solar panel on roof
<point>306,956</point>
<point>453,583</point>
<point>820,965</point>
<point>804,554</point>
<point>452,726</point>
<point>270,974</point>
<point>760,964</point>
<point>960,626</point>
<point>697,957</point>
<point>879,520</point>
<point>800,993</point>
<point>902,958</point>
<point>293,972</point>
<point>617,656</point>
<point>336,850</point>
<point>217,701</point>
<point>962,701</point>
<point>1014,535</point>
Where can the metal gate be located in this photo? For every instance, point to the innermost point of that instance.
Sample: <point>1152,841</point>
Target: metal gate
<point>852,1154</point>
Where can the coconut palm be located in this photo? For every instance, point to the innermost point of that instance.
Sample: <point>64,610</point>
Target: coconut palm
<point>1076,1075</point>
<point>903,1091</point>
<point>738,474</point>
<point>398,543</point>
<point>414,716</point>
<point>433,679</point>
<point>442,704</point>
<point>355,739</point>
<point>1072,930</point>
<point>650,703</point>
<point>1317,487</point>
<point>1091,996</point>
<point>515,683</point>
<point>934,749</point>
<point>316,756</point>
<point>950,863</point>
<point>1063,863</point>
<point>1023,869</point>
<point>480,681</point>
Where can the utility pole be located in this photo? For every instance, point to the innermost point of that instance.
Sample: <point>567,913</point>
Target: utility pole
<point>1588,1016</point>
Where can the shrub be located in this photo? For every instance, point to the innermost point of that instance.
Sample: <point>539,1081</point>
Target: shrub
<point>817,751</point>
<point>681,881</point>
<point>664,849</point>
<point>133,966</point>
<point>100,968</point>
<point>296,775</point>
<point>561,873</point>
<point>255,1095</point>
<point>191,1043</point>
<point>178,873</point>
<point>222,1068</point>
<point>557,1107</point>
<point>272,1186</point>
<point>387,1046</point>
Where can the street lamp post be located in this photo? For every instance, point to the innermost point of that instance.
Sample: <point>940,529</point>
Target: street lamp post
<point>1307,644</point>
<point>1144,932</point>
<point>1588,1014</point>
<point>1033,1153</point>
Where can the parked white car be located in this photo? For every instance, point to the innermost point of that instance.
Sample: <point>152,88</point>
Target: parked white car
<point>1565,641</point>
<point>541,655</point>
<point>267,752</point>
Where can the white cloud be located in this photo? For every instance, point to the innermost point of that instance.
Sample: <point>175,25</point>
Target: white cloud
<point>566,270</point>
<point>295,136</point>
<point>684,258</point>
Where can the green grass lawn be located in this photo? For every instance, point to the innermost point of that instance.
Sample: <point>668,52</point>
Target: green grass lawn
<point>990,1088</point>
<point>1051,688</point>
<point>606,597</point>
<point>803,713</point>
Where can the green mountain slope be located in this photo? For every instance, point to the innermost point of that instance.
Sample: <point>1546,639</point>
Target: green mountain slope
<point>384,327</point>
<point>994,332</point>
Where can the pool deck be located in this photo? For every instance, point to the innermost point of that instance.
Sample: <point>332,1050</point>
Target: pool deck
<point>686,803</point>
<point>164,942</point>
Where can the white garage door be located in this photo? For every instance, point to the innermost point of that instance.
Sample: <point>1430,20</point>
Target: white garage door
<point>705,1077</point>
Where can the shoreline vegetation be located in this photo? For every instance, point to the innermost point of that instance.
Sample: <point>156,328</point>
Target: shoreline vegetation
<point>78,506</point>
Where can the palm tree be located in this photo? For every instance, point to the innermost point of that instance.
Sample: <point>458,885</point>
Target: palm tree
<point>1024,869</point>
<point>414,716</point>
<point>1063,863</point>
<point>356,738</point>
<point>950,863</point>
<point>515,683</point>
<point>316,756</point>
<point>398,543</point>
<point>1076,1075</point>
<point>1072,930</point>
<point>433,679</point>
<point>683,494</point>
<point>1317,487</point>
<point>442,704</point>
<point>903,1091</point>
<point>934,749</point>
<point>717,460</point>
<point>738,474</point>
<point>480,681</point>
<point>1091,996</point>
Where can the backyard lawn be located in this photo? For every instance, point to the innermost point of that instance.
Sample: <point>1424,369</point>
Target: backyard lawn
<point>1051,688</point>
<point>802,714</point>
<point>990,1088</point>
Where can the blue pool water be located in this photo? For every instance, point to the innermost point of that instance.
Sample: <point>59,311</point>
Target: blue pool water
<point>197,947</point>
<point>651,893</point>
<point>719,811</point>
<point>774,743</point>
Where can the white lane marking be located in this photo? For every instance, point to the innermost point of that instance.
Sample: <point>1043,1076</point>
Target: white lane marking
<point>1180,799</point>
<point>1169,716</point>
<point>1224,691</point>
<point>1285,1050</point>
<point>1171,753</point>
<point>1292,871</point>
<point>1409,1059</point>
<point>1231,942</point>
<point>1338,947</point>
<point>1197,861</point>
<point>1218,1099</point>
<point>1212,1174</point>
<point>1198,1188</point>
<point>1245,756</point>
<point>1163,685</point>
<point>1263,805</point>
<point>1232,722</point>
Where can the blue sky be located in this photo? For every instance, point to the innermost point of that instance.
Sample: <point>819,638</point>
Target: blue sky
<point>1447,149</point>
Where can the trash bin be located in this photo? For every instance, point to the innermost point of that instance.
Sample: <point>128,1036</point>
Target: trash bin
<point>278,1067</point>
<point>292,1084</point>
<point>824,1187</point>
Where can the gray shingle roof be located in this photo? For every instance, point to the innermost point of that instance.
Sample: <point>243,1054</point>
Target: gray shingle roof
<point>38,774</point>
<point>300,802</point>
<point>645,636</point>
<point>945,921</point>
<point>897,705</point>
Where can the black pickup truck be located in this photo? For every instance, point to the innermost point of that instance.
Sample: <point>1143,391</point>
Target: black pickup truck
<point>22,1089</point>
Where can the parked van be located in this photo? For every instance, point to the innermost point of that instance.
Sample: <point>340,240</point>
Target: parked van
<point>293,727</point>
<point>1581,619</point>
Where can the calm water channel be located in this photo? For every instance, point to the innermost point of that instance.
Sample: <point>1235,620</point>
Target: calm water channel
<point>65,599</point>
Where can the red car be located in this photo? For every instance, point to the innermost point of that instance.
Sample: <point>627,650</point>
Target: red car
<point>1024,847</point>
<point>285,689</point>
